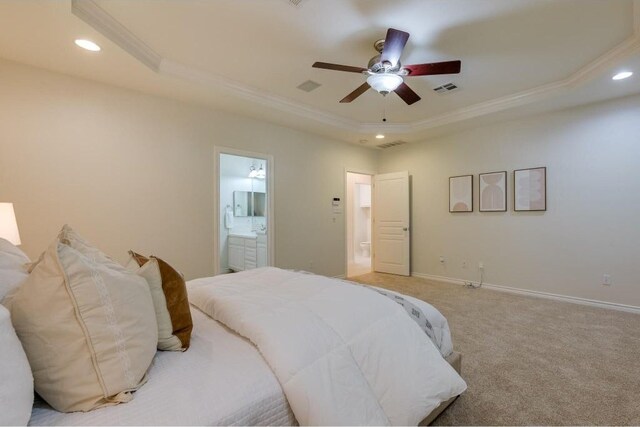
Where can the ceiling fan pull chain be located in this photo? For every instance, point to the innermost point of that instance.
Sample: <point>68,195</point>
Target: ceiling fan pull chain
<point>384,108</point>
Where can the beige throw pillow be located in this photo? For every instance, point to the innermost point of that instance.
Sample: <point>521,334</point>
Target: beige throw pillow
<point>151,272</point>
<point>175,292</point>
<point>87,325</point>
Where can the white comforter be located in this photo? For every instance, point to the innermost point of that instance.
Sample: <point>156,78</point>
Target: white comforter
<point>343,354</point>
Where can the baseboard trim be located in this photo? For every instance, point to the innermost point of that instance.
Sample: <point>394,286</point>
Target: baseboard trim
<point>539,294</point>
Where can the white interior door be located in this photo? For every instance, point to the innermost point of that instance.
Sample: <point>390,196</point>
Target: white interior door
<point>392,240</point>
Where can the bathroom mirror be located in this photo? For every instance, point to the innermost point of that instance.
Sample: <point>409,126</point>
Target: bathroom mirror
<point>259,204</point>
<point>246,205</point>
<point>242,203</point>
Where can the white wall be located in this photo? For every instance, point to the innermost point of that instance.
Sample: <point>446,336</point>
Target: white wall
<point>135,171</point>
<point>591,226</point>
<point>130,170</point>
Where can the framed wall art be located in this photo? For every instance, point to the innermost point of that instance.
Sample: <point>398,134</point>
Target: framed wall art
<point>493,191</point>
<point>530,189</point>
<point>461,193</point>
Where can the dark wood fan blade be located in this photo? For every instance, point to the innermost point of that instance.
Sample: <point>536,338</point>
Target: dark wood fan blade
<point>393,46</point>
<point>356,93</point>
<point>338,67</point>
<point>407,94</point>
<point>448,67</point>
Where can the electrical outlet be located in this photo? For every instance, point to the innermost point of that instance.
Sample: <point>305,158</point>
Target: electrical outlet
<point>481,265</point>
<point>441,259</point>
<point>464,264</point>
<point>606,279</point>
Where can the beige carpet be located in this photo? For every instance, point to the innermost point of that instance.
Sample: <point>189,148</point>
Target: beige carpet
<point>532,361</point>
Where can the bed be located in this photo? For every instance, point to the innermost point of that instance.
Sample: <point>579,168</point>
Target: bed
<point>224,379</point>
<point>220,380</point>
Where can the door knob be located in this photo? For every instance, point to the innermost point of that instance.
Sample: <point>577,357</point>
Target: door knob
<point>405,229</point>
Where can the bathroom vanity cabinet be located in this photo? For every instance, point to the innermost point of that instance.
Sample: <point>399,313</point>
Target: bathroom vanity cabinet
<point>247,251</point>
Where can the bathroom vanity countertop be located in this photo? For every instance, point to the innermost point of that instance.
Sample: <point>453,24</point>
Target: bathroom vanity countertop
<point>245,234</point>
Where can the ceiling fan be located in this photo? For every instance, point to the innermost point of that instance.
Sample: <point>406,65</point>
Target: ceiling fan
<point>386,73</point>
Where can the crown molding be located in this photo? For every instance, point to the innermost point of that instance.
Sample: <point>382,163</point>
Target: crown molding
<point>108,26</point>
<point>176,69</point>
<point>91,13</point>
<point>583,75</point>
<point>391,128</point>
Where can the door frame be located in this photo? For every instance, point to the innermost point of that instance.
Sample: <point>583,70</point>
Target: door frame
<point>346,228</point>
<point>270,189</point>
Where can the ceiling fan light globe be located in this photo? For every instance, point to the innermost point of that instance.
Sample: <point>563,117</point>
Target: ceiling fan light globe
<point>384,83</point>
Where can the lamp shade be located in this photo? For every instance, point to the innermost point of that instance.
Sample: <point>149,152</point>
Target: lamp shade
<point>8,224</point>
<point>384,83</point>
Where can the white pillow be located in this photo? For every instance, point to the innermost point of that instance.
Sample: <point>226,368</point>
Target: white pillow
<point>13,268</point>
<point>11,257</point>
<point>16,381</point>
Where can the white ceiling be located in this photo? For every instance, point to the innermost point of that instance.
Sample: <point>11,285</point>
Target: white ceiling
<point>518,56</point>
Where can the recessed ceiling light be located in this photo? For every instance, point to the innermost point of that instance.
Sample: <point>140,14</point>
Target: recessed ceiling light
<point>379,136</point>
<point>88,45</point>
<point>622,75</point>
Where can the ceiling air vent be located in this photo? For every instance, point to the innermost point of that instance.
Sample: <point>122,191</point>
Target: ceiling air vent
<point>391,144</point>
<point>446,88</point>
<point>296,2</point>
<point>309,85</point>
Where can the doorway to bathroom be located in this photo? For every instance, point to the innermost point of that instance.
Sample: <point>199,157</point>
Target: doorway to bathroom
<point>358,207</point>
<point>243,220</point>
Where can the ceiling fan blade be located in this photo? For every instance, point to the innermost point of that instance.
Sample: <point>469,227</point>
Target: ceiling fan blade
<point>393,46</point>
<point>338,67</point>
<point>356,93</point>
<point>448,67</point>
<point>407,94</point>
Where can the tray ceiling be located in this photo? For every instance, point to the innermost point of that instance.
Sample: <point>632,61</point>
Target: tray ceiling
<point>249,56</point>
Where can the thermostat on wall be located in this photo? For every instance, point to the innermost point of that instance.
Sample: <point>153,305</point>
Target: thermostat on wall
<point>337,207</point>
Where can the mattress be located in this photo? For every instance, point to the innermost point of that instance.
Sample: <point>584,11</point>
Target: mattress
<point>221,380</point>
